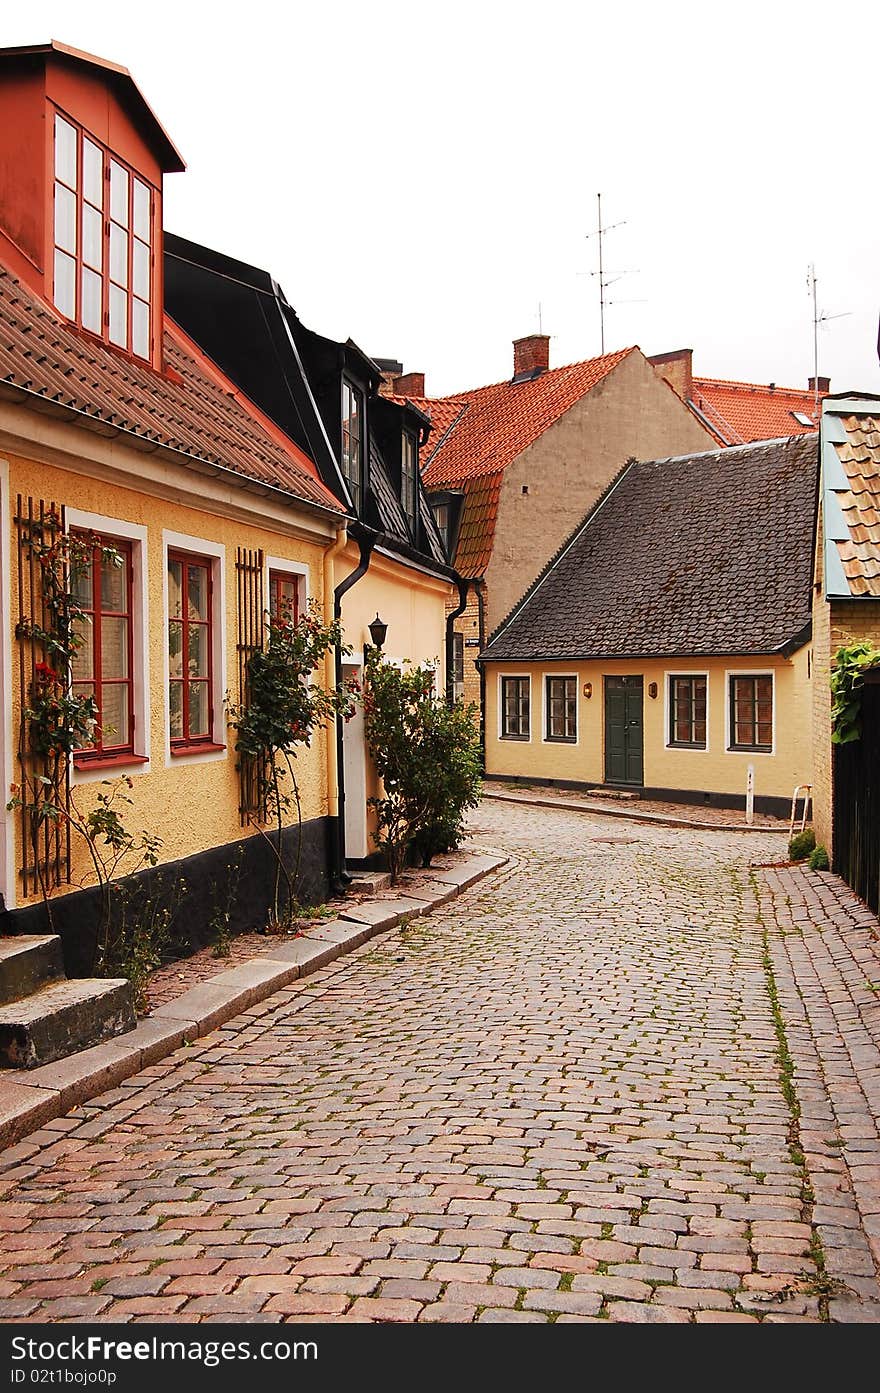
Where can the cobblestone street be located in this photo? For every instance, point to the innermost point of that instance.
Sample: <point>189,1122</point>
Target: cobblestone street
<point>627,1079</point>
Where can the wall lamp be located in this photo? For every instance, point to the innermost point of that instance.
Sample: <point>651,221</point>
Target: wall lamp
<point>588,689</point>
<point>378,630</point>
<point>652,690</point>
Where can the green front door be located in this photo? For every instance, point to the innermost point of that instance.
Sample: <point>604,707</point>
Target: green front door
<point>623,730</point>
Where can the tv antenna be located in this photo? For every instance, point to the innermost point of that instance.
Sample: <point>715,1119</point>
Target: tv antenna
<point>818,318</point>
<point>605,280</point>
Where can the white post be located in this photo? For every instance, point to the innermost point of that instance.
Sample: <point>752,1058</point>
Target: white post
<point>750,795</point>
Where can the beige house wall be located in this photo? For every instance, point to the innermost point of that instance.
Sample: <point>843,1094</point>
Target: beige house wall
<point>715,770</point>
<point>632,413</point>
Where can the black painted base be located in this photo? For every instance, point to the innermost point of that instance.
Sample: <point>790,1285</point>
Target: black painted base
<point>771,806</point>
<point>207,878</point>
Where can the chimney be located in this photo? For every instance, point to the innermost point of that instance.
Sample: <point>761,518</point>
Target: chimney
<point>531,355</point>
<point>818,384</point>
<point>676,368</point>
<point>409,384</point>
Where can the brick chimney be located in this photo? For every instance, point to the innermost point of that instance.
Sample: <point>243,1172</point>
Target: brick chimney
<point>821,384</point>
<point>409,384</point>
<point>531,354</point>
<point>676,368</point>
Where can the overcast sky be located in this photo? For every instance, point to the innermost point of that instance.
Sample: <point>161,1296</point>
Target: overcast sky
<point>423,176</point>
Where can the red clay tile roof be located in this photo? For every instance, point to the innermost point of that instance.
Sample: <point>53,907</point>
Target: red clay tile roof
<point>476,434</point>
<point>860,503</point>
<point>740,412</point>
<point>196,412</point>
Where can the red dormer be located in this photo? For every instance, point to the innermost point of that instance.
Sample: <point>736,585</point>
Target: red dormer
<point>81,163</point>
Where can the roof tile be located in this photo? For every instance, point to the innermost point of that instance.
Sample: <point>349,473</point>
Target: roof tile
<point>739,412</point>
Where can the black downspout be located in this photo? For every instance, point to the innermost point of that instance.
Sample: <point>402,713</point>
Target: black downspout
<point>481,611</point>
<point>463,587</point>
<point>339,877</point>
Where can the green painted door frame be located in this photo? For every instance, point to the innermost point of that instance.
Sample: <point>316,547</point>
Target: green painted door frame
<point>624,740</point>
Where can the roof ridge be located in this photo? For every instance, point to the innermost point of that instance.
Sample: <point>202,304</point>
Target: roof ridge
<point>618,355</point>
<point>775,390</point>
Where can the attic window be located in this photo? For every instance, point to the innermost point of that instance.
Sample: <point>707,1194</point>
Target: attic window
<point>408,469</point>
<point>802,418</point>
<point>103,262</point>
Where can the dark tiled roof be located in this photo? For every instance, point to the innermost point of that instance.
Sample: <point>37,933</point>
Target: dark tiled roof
<point>191,408</point>
<point>702,554</point>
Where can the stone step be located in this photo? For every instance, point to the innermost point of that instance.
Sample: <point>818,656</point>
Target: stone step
<point>63,1017</point>
<point>28,962</point>
<point>369,882</point>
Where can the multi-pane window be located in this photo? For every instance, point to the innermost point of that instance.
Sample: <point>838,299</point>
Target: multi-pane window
<point>103,664</point>
<point>458,658</point>
<point>190,701</point>
<point>284,596</point>
<point>687,711</point>
<point>751,712</point>
<point>353,441</point>
<point>514,708</point>
<point>408,466</point>
<point>103,219</point>
<point>561,708</point>
<point>441,517</point>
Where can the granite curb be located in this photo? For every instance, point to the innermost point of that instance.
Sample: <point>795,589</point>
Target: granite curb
<point>31,1099</point>
<point>611,809</point>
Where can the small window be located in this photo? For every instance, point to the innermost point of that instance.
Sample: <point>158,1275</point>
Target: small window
<point>803,419</point>
<point>190,644</point>
<point>515,701</point>
<point>353,441</point>
<point>751,713</point>
<point>561,708</point>
<point>458,657</point>
<point>408,467</point>
<point>441,517</point>
<point>687,712</point>
<point>103,665</point>
<point>284,597</point>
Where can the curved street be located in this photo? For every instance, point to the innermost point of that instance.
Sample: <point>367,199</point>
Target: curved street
<point>626,1079</point>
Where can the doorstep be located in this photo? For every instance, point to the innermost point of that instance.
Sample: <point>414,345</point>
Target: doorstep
<point>30,1100</point>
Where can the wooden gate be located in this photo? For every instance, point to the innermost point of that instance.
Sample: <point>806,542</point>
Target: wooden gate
<point>857,802</point>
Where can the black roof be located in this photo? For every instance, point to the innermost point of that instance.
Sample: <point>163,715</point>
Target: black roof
<point>692,556</point>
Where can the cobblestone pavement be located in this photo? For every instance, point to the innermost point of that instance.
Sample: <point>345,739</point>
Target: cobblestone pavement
<point>620,1081</point>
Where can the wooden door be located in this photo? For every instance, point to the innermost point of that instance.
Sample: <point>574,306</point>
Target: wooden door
<point>624,749</point>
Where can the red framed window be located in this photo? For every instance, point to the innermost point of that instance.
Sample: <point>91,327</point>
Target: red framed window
<point>284,596</point>
<point>190,650</point>
<point>103,666</point>
<point>103,220</point>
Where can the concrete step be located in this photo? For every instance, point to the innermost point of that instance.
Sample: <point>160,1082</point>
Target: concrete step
<point>63,1017</point>
<point>369,882</point>
<point>27,962</point>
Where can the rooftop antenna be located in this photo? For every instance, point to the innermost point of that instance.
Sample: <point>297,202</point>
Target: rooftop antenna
<point>605,280</point>
<point>540,323</point>
<point>812,282</point>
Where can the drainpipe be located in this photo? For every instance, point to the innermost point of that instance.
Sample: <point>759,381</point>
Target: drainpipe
<point>463,586</point>
<point>339,877</point>
<point>329,682</point>
<point>481,613</point>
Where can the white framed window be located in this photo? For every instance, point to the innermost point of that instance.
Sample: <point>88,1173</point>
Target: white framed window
<point>194,590</point>
<point>286,588</point>
<point>687,710</point>
<point>751,711</point>
<point>353,441</point>
<point>514,706</point>
<point>408,476</point>
<point>114,664</point>
<point>560,709</point>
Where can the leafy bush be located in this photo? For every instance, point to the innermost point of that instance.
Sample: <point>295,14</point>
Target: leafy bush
<point>428,757</point>
<point>819,859</point>
<point>801,844</point>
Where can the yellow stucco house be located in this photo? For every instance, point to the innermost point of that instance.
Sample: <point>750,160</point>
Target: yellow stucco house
<point>665,649</point>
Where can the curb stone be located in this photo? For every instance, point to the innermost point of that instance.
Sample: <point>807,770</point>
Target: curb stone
<point>657,819</point>
<point>37,1096</point>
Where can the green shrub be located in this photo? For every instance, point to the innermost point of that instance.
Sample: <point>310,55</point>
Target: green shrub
<point>801,844</point>
<point>819,859</point>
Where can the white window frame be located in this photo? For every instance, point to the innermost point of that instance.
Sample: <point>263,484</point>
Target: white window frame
<point>282,566</point>
<point>748,672</point>
<point>216,554</point>
<point>667,711</point>
<point>560,740</point>
<point>136,534</point>
<point>515,739</point>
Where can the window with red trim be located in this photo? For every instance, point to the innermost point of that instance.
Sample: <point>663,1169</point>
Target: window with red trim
<point>190,647</point>
<point>284,596</point>
<point>103,218</point>
<point>103,666</point>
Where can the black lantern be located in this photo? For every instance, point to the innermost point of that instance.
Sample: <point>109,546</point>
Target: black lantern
<point>378,630</point>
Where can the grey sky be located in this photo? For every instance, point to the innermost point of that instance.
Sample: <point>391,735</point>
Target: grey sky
<point>421,176</point>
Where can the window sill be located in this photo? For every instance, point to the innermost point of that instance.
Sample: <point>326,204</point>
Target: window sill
<point>686,745</point>
<point>523,739</point>
<point>750,749</point>
<point>82,763</point>
<point>201,748</point>
<point>560,739</point>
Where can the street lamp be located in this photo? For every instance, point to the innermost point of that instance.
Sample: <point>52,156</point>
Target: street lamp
<point>378,630</point>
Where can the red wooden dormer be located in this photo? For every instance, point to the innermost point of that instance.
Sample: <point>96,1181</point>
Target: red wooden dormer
<point>81,163</point>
